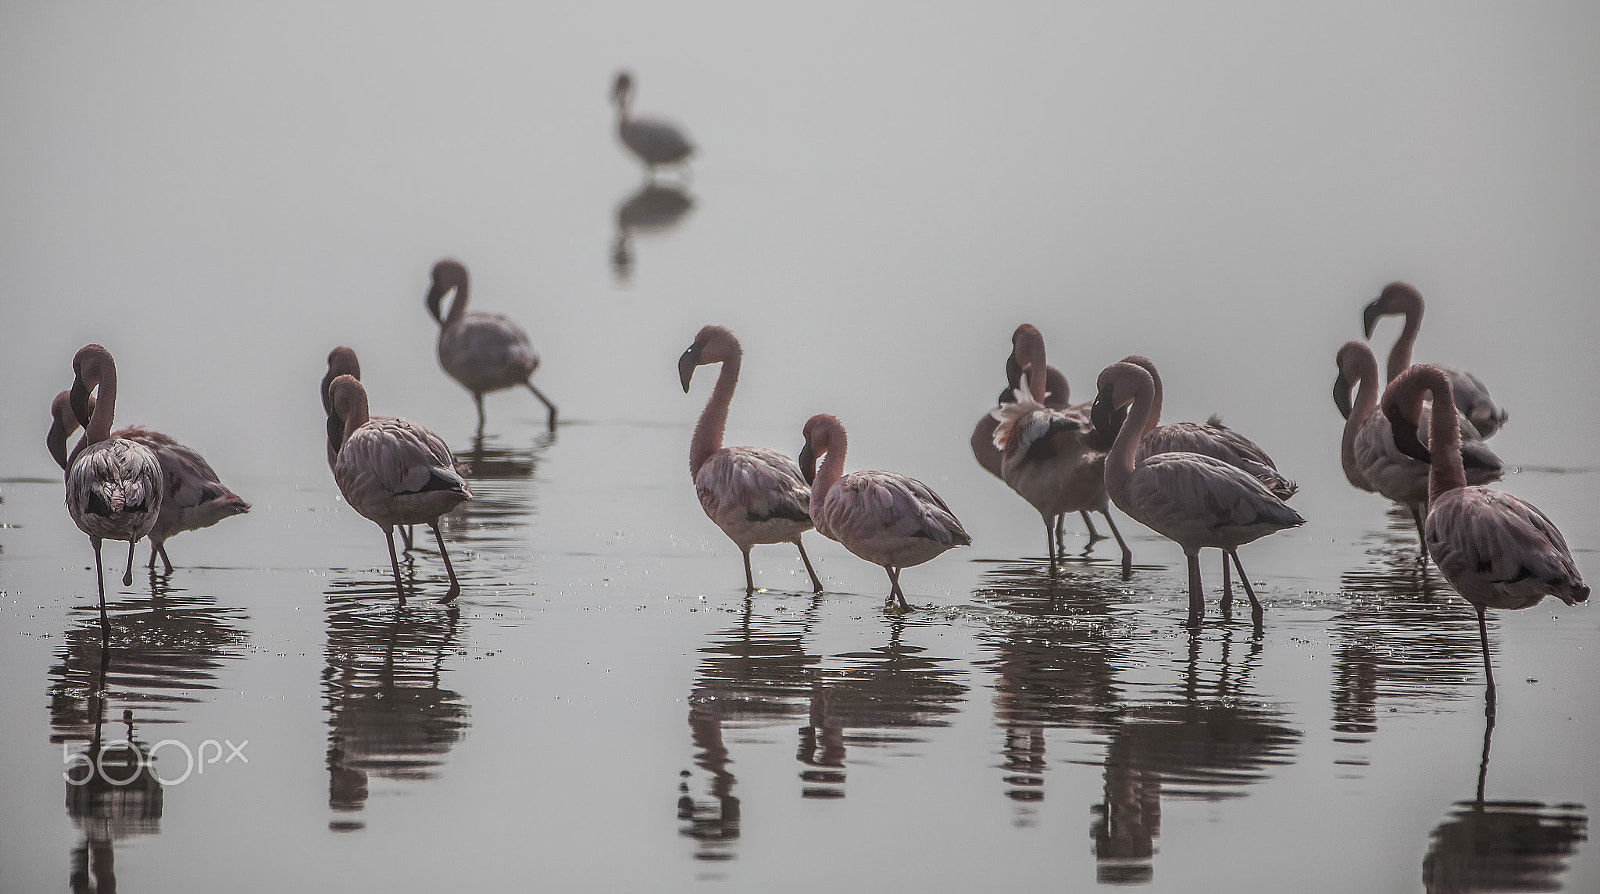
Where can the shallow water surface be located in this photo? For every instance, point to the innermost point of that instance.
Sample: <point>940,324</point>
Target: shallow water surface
<point>882,195</point>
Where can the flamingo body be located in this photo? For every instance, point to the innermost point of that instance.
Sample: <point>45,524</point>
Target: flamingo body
<point>654,141</point>
<point>194,498</point>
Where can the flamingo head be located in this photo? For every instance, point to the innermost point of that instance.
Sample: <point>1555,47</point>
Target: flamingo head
<point>712,344</point>
<point>1396,298</point>
<point>622,88</point>
<point>448,274</point>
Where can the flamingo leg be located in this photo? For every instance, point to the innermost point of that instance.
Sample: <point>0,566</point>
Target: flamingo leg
<point>1127,554</point>
<point>127,575</point>
<point>1197,599</point>
<point>1227,587</point>
<point>1089,523</point>
<point>478,399</point>
<point>394,562</point>
<point>100,584</point>
<point>816,584</point>
<point>455,585</point>
<point>1418,513</point>
<point>749,580</point>
<point>1050,538</point>
<point>1488,670</point>
<point>894,588</point>
<point>166,563</point>
<point>1256,613</point>
<point>406,535</point>
<point>550,419</point>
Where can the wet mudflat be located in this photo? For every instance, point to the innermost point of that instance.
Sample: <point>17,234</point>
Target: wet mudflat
<point>873,211</point>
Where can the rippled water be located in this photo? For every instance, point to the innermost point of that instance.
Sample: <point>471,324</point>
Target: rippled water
<point>883,193</point>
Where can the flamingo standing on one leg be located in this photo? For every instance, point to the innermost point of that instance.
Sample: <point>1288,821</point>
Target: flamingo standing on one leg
<point>755,495</point>
<point>888,519</point>
<point>114,485</point>
<point>342,361</point>
<point>1194,500</point>
<point>394,472</point>
<point>654,141</point>
<point>1051,457</point>
<point>1497,550</point>
<point>484,352</point>
<point>1471,395</point>
<point>1367,450</point>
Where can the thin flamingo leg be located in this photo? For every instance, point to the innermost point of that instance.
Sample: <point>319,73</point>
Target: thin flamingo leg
<point>394,563</point>
<point>1256,614</point>
<point>455,585</point>
<point>127,575</point>
<point>816,584</point>
<point>1197,599</point>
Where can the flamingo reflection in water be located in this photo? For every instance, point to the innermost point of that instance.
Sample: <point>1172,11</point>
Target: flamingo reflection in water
<point>389,715</point>
<point>1496,549</point>
<point>1502,845</point>
<point>653,209</point>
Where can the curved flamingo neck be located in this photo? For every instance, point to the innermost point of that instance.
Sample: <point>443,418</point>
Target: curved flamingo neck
<point>714,418</point>
<point>831,469</point>
<point>1364,368</point>
<point>1155,394</point>
<point>105,405</point>
<point>354,410</point>
<point>458,304</point>
<point>1141,418</point>
<point>1400,354</point>
<point>1445,471</point>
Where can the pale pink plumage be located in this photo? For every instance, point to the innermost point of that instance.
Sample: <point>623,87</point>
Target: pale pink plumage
<point>1194,500</point>
<point>484,352</point>
<point>887,518</point>
<point>1496,549</point>
<point>755,495</point>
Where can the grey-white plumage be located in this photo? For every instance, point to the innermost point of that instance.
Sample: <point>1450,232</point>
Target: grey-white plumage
<point>342,361</point>
<point>194,496</point>
<point>394,472</point>
<point>484,352</point>
<point>655,141</point>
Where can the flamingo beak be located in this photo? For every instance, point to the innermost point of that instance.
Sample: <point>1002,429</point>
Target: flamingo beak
<point>1405,434</point>
<point>1341,395</point>
<point>1100,413</point>
<point>435,297</point>
<point>1370,315</point>
<point>808,463</point>
<point>1013,370</point>
<point>686,364</point>
<point>82,404</point>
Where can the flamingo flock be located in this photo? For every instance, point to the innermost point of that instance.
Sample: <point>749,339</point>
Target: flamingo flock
<point>1199,485</point>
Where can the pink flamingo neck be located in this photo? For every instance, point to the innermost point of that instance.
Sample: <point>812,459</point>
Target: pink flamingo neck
<point>832,467</point>
<point>104,374</point>
<point>1400,354</point>
<point>1358,364</point>
<point>350,397</point>
<point>1145,364</point>
<point>458,304</point>
<point>1141,418</point>
<point>1445,472</point>
<point>714,418</point>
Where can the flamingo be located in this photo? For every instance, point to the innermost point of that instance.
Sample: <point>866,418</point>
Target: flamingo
<point>888,519</point>
<point>114,485</point>
<point>394,472</point>
<point>1496,549</point>
<point>654,141</point>
<point>1051,457</point>
<point>484,352</point>
<point>194,498</point>
<point>1195,500</point>
<point>1211,439</point>
<point>755,495</point>
<point>1367,450</point>
<point>1471,395</point>
<point>342,361</point>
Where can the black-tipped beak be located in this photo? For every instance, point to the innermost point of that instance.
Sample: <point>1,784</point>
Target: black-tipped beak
<point>808,463</point>
<point>1103,434</point>
<point>1341,395</point>
<point>79,402</point>
<point>56,441</point>
<point>686,364</point>
<point>1014,371</point>
<point>1405,435</point>
<point>335,432</point>
<point>1370,315</point>
<point>1100,413</point>
<point>435,298</point>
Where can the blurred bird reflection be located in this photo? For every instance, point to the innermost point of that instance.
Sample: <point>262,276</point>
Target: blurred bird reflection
<point>654,209</point>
